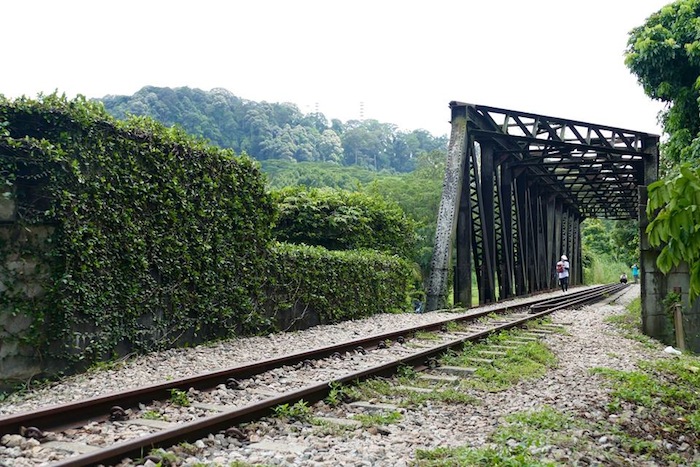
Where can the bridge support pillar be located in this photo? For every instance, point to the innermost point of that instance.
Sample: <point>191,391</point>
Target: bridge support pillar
<point>447,213</point>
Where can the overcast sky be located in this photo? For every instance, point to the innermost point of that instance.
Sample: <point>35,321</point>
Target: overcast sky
<point>395,61</point>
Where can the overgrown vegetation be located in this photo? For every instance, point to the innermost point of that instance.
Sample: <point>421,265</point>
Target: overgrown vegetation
<point>298,411</point>
<point>417,193</point>
<point>520,441</point>
<point>342,220</point>
<point>381,418</point>
<point>127,236</point>
<point>675,226</point>
<point>609,249</point>
<point>525,361</point>
<point>179,397</point>
<point>663,54</point>
<point>652,418</point>
<point>336,285</point>
<point>153,234</point>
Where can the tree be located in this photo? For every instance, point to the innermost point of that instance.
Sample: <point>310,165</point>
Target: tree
<point>625,236</point>
<point>268,131</point>
<point>664,54</point>
<point>677,224</point>
<point>330,147</point>
<point>595,234</point>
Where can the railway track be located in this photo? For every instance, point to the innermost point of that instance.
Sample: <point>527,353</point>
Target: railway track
<point>150,417</point>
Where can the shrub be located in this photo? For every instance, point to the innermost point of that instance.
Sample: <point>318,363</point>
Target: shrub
<point>337,285</point>
<point>343,220</point>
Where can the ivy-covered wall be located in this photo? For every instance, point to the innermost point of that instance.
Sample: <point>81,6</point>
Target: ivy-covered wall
<point>157,239</point>
<point>126,236</point>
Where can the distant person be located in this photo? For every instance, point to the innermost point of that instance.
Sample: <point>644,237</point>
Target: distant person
<point>563,273</point>
<point>635,273</point>
<point>623,278</point>
<point>417,305</point>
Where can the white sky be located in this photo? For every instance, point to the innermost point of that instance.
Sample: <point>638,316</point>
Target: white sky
<point>401,61</point>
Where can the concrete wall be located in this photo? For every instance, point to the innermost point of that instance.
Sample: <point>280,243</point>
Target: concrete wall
<point>658,318</point>
<point>20,274</point>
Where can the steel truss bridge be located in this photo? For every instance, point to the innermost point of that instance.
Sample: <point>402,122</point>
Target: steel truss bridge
<point>517,187</point>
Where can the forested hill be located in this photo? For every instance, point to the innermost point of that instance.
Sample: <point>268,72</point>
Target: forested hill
<point>270,131</point>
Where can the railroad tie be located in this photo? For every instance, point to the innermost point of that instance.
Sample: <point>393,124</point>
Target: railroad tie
<point>492,353</point>
<point>413,389</point>
<point>265,392</point>
<point>505,348</point>
<point>540,331</point>
<point>420,345</point>
<point>481,361</point>
<point>372,407</point>
<point>211,407</point>
<point>440,378</point>
<point>69,446</point>
<point>339,421</point>
<point>462,371</point>
<point>160,424</point>
<point>522,339</point>
<point>277,446</point>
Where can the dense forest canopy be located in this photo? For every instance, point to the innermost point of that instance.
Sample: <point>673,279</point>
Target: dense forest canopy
<point>278,131</point>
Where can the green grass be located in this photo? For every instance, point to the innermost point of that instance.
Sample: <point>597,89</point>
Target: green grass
<point>604,271</point>
<point>427,336</point>
<point>512,443</point>
<point>526,361</point>
<point>298,411</point>
<point>385,391</point>
<point>380,418</point>
<point>153,415</point>
<point>657,404</point>
<point>179,397</point>
<point>630,324</point>
<point>668,385</point>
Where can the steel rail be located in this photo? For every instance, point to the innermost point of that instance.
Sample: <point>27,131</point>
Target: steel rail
<point>312,393</point>
<point>74,414</point>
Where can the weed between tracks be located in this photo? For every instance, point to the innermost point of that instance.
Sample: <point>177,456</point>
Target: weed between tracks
<point>523,361</point>
<point>652,418</point>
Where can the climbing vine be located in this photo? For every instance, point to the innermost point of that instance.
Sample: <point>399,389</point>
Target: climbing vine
<point>156,237</point>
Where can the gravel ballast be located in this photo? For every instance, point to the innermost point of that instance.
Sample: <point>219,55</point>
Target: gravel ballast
<point>589,342</point>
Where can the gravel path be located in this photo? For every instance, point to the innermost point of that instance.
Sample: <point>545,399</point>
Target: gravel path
<point>589,343</point>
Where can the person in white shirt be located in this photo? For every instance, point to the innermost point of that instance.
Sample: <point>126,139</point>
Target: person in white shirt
<point>563,273</point>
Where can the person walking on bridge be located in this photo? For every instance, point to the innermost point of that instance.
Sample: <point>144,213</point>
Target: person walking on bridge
<point>563,273</point>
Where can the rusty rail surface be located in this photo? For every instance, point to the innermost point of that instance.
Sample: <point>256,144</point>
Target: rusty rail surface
<point>76,413</point>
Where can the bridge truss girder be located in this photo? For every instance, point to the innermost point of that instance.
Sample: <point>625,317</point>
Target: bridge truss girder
<point>517,187</point>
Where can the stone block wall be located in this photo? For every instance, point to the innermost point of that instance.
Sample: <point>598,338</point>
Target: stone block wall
<point>20,273</point>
